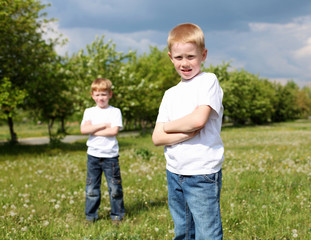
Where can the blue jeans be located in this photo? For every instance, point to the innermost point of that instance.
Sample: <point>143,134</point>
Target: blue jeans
<point>111,169</point>
<point>194,205</point>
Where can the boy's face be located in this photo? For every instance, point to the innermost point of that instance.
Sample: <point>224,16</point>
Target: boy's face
<point>101,98</point>
<point>187,59</point>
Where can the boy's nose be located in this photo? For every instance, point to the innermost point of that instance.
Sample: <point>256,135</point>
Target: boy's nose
<point>184,63</point>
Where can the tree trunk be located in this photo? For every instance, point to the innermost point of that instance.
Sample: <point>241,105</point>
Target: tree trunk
<point>63,128</point>
<point>12,133</point>
<point>50,125</point>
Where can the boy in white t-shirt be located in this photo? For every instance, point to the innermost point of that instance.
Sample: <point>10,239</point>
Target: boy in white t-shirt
<point>102,123</point>
<point>189,125</point>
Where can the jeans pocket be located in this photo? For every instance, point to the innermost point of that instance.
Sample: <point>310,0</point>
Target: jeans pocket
<point>210,178</point>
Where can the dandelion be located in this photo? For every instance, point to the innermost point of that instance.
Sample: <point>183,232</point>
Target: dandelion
<point>24,229</point>
<point>12,213</point>
<point>45,223</point>
<point>156,229</point>
<point>56,206</point>
<point>71,202</point>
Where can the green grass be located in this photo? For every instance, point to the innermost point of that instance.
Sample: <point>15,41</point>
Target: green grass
<point>266,188</point>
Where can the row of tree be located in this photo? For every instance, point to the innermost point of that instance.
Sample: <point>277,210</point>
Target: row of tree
<point>35,79</point>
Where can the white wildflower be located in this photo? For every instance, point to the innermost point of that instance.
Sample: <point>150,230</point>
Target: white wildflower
<point>45,223</point>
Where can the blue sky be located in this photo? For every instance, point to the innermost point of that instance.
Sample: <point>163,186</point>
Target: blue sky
<point>271,38</point>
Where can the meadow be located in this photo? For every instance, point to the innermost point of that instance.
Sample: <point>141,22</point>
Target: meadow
<point>266,189</point>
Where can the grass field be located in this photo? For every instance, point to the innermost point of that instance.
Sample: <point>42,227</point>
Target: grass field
<point>266,188</point>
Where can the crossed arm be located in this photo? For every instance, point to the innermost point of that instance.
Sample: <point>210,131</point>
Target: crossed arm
<point>102,129</point>
<point>181,129</point>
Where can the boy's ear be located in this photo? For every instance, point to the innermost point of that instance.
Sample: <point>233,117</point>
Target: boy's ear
<point>204,54</point>
<point>110,94</point>
<point>170,55</point>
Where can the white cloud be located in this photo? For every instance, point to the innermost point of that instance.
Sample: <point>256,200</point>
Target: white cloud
<point>273,50</point>
<point>305,51</point>
<point>79,38</point>
<point>53,32</point>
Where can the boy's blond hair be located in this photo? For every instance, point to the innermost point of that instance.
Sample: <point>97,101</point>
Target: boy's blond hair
<point>101,84</point>
<point>186,33</point>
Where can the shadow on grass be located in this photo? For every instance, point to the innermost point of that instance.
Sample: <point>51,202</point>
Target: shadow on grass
<point>140,207</point>
<point>17,149</point>
<point>20,149</point>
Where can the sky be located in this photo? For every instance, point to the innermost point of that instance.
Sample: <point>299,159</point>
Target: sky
<point>271,38</point>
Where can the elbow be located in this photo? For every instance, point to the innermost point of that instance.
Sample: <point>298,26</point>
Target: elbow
<point>83,132</point>
<point>199,124</point>
<point>156,141</point>
<point>114,131</point>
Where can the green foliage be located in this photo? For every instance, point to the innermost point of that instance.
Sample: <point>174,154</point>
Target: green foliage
<point>9,98</point>
<point>286,104</point>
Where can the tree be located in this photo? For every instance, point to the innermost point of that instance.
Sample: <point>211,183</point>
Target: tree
<point>51,97</point>
<point>10,98</point>
<point>285,106</point>
<point>304,102</point>
<point>23,51</point>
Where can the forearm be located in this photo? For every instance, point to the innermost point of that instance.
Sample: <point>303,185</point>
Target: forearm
<point>107,132</point>
<point>89,128</point>
<point>160,138</point>
<point>189,123</point>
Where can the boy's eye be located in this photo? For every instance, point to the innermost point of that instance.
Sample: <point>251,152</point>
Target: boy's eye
<point>178,58</point>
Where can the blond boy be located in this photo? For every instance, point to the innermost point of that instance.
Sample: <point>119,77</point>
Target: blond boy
<point>189,125</point>
<point>102,122</point>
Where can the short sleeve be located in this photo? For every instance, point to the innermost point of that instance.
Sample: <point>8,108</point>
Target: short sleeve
<point>86,116</point>
<point>211,94</point>
<point>116,120</point>
<point>163,111</point>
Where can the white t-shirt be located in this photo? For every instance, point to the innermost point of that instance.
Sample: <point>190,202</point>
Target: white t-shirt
<point>99,146</point>
<point>203,154</point>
